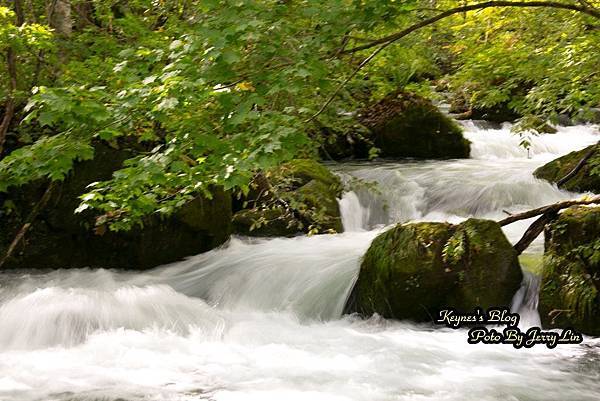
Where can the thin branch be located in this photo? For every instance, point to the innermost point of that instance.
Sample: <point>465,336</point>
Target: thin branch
<point>345,82</point>
<point>11,63</point>
<point>9,107</point>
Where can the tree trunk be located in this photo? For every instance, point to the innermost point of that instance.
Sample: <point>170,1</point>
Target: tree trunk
<point>11,65</point>
<point>59,16</point>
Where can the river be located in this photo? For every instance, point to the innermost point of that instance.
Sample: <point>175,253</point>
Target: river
<point>261,319</point>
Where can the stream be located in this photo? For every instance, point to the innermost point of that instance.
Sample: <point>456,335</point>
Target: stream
<point>261,319</point>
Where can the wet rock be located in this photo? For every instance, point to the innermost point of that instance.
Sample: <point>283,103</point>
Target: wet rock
<point>570,288</point>
<point>413,270</point>
<point>407,125</point>
<point>583,181</point>
<point>297,197</point>
<point>61,239</point>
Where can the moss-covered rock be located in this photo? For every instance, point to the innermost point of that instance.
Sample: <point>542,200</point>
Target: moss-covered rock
<point>297,197</point>
<point>270,222</point>
<point>413,270</point>
<point>583,181</point>
<point>303,171</point>
<point>407,125</point>
<point>59,238</point>
<point>570,288</point>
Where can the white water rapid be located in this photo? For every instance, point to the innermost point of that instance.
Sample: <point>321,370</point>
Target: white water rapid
<point>261,319</point>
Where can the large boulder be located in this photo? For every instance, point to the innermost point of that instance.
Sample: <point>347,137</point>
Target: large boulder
<point>570,288</point>
<point>297,197</point>
<point>413,270</point>
<point>59,238</point>
<point>584,180</point>
<point>407,125</point>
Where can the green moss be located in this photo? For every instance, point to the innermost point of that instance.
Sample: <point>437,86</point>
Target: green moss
<point>409,272</point>
<point>571,272</point>
<point>491,271</point>
<point>583,181</point>
<point>302,171</point>
<point>396,272</point>
<point>209,215</point>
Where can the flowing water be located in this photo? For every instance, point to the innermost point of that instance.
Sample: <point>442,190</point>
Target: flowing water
<point>261,319</point>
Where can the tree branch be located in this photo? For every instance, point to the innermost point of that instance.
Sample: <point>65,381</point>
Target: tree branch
<point>534,231</point>
<point>489,4</point>
<point>556,207</point>
<point>388,40</point>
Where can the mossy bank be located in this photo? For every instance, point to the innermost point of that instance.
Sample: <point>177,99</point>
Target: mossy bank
<point>570,288</point>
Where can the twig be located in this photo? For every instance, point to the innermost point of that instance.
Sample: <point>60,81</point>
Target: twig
<point>343,84</point>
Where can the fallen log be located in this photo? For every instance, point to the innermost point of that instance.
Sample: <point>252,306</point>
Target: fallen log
<point>548,213</point>
<point>555,207</point>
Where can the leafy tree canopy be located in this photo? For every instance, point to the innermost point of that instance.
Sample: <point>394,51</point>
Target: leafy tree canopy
<point>208,92</point>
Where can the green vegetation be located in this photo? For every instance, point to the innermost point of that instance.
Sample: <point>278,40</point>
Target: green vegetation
<point>207,94</point>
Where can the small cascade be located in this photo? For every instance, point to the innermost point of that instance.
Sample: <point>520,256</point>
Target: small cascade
<point>355,217</point>
<point>525,301</point>
<point>496,179</point>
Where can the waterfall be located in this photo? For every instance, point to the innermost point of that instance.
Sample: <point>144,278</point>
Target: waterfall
<point>525,301</point>
<point>260,319</point>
